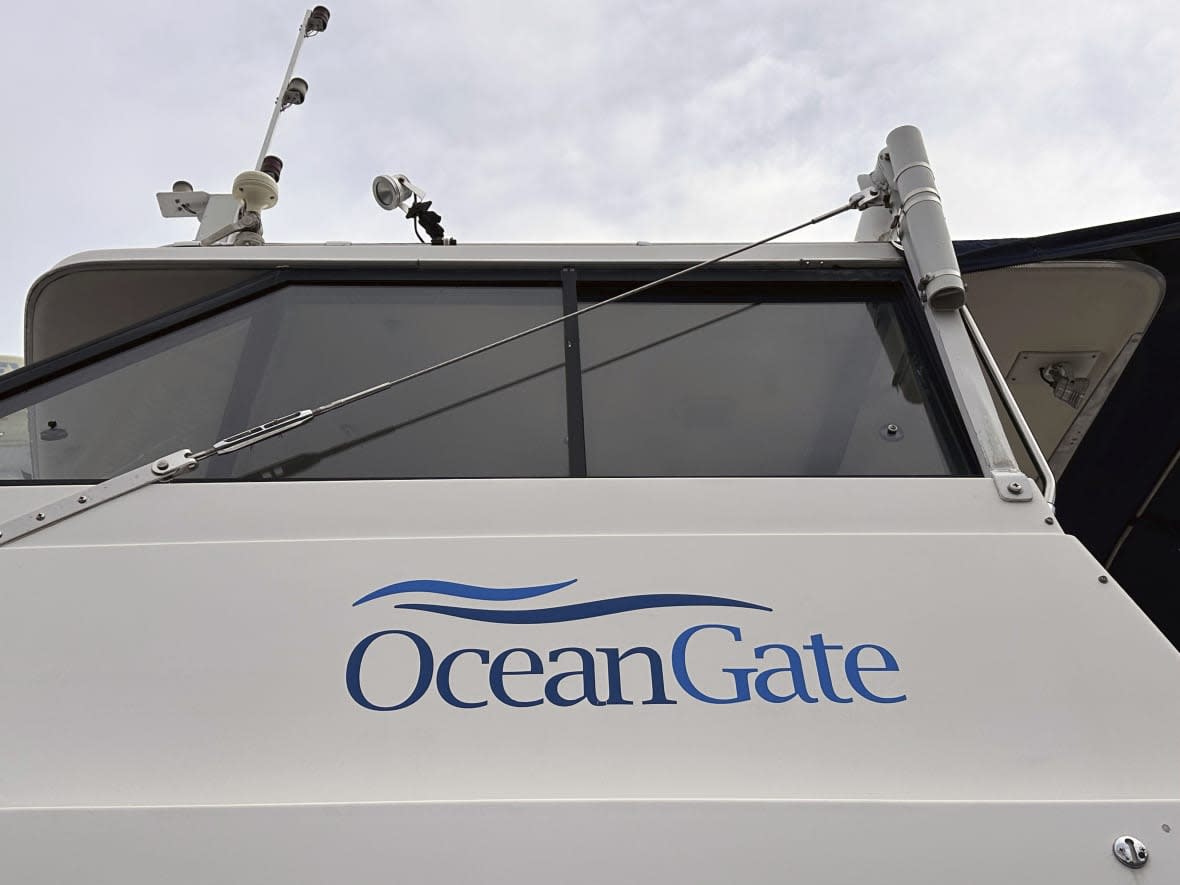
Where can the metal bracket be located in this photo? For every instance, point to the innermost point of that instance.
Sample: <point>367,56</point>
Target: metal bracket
<point>867,198</point>
<point>931,276</point>
<point>247,223</point>
<point>1066,372</point>
<point>1014,487</point>
<point>161,470</point>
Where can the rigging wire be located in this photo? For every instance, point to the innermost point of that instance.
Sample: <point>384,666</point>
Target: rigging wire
<point>165,468</point>
<point>287,422</point>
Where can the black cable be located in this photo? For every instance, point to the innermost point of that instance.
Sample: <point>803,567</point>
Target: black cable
<point>417,232</point>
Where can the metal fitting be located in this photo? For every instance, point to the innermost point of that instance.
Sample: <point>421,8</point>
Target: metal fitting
<point>1130,852</point>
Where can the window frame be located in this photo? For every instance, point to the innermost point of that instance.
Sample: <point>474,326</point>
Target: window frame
<point>948,421</point>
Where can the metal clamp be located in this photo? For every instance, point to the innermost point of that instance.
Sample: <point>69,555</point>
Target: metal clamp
<point>159,470</point>
<point>898,173</point>
<point>867,198</point>
<point>920,195</point>
<point>248,222</point>
<point>928,278</point>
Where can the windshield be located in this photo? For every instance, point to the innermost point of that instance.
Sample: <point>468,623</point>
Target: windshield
<point>737,379</point>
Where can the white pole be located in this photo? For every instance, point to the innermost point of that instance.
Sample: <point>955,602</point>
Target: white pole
<point>274,116</point>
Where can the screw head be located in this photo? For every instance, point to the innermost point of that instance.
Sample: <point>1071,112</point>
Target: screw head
<point>1049,520</point>
<point>39,517</point>
<point>82,499</point>
<point>162,464</point>
<point>1102,579</point>
<point>1015,488</point>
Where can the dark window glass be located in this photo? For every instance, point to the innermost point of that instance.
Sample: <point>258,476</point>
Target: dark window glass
<point>499,414</point>
<point>736,379</point>
<point>755,388</point>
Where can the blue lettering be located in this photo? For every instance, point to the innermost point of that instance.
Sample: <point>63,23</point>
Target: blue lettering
<point>444,677</point>
<point>570,687</point>
<point>820,653</point>
<point>352,673</point>
<point>741,675</point>
<point>853,668</point>
<point>614,675</point>
<point>585,674</point>
<point>794,667</point>
<point>498,673</point>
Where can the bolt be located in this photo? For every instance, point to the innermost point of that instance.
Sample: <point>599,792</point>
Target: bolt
<point>82,499</point>
<point>40,517</point>
<point>1048,520</point>
<point>1167,829</point>
<point>1015,488</point>
<point>891,429</point>
<point>162,464</point>
<point>1102,579</point>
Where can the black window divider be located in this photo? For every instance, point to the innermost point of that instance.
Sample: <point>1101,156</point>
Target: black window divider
<point>575,420</point>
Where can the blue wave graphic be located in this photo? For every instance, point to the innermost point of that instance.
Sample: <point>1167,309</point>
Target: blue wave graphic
<point>464,591</point>
<point>579,611</point>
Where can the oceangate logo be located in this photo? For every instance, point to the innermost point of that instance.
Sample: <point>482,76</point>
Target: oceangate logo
<point>597,677</point>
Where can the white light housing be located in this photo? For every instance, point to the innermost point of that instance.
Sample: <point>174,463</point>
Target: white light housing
<point>394,191</point>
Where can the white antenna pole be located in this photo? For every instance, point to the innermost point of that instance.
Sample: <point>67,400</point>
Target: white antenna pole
<point>274,116</point>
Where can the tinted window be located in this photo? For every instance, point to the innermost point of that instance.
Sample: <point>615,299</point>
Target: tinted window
<point>728,379</point>
<point>501,414</point>
<point>772,388</point>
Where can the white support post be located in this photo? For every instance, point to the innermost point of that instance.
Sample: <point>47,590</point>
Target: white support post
<point>916,222</point>
<point>929,251</point>
<point>278,108</point>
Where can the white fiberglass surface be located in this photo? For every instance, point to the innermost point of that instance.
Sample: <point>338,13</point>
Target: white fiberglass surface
<point>801,667</point>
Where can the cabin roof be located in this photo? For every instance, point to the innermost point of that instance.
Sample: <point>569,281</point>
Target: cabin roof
<point>1121,493</point>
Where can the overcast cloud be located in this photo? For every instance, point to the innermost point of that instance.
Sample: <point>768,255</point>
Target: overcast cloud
<point>588,121</point>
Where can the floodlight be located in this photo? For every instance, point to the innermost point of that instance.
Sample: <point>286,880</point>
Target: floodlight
<point>393,191</point>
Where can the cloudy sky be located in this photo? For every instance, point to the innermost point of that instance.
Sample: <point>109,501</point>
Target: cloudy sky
<point>575,121</point>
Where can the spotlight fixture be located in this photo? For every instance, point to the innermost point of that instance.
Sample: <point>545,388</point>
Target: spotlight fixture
<point>395,191</point>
